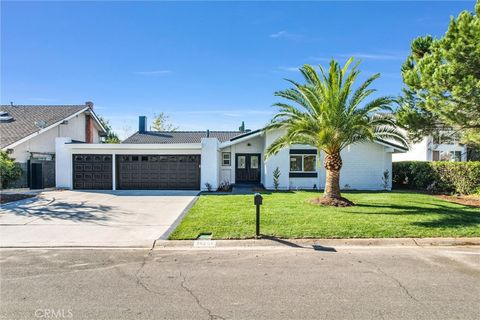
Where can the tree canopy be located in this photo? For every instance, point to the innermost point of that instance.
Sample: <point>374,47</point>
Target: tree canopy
<point>442,81</point>
<point>161,123</point>
<point>111,137</point>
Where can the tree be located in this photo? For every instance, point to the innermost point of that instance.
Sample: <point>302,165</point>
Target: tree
<point>327,113</point>
<point>442,81</point>
<point>111,136</point>
<point>242,127</point>
<point>9,170</point>
<point>161,123</point>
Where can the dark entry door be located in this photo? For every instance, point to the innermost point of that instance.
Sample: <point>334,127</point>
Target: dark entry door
<point>92,171</point>
<point>247,168</point>
<point>36,176</point>
<point>158,172</point>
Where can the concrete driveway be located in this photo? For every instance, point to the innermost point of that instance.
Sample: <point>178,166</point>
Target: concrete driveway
<point>79,218</point>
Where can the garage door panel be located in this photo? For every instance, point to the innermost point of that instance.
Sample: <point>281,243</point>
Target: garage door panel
<point>158,172</point>
<point>92,171</point>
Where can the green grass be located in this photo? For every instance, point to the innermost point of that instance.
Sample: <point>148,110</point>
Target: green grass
<point>290,215</point>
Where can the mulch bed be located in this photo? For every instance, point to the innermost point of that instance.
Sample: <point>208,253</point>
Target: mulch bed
<point>341,202</point>
<point>4,198</point>
<point>472,201</point>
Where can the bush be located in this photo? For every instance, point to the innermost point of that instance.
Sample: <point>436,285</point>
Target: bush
<point>9,170</point>
<point>459,177</point>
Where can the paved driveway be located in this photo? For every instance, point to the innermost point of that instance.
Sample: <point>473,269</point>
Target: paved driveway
<point>78,218</point>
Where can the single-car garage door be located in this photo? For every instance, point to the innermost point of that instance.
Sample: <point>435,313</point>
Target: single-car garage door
<point>92,171</point>
<point>158,172</point>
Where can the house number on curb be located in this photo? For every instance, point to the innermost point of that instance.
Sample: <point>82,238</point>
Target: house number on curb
<point>204,244</point>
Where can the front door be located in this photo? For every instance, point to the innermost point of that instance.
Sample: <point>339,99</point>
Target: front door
<point>247,168</point>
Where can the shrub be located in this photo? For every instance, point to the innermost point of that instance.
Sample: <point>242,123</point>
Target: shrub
<point>460,177</point>
<point>385,179</point>
<point>9,170</point>
<point>276,177</point>
<point>208,186</point>
<point>225,186</point>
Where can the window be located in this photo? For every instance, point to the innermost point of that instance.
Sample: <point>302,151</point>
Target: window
<point>241,162</point>
<point>456,155</point>
<point>303,163</point>
<point>296,163</point>
<point>253,162</point>
<point>226,159</point>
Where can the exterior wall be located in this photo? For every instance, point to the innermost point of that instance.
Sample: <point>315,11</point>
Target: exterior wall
<point>417,152</point>
<point>280,160</point>
<point>423,151</point>
<point>363,166</point>
<point>209,172</point>
<point>45,142</point>
<point>450,147</point>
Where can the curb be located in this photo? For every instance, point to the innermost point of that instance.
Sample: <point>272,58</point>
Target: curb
<point>317,244</point>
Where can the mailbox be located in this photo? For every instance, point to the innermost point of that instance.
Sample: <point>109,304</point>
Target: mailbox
<point>257,199</point>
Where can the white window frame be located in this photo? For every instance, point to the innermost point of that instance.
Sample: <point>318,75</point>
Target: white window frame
<point>229,159</point>
<point>302,163</point>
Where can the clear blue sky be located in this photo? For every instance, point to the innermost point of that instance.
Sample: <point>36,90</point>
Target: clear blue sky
<point>209,65</point>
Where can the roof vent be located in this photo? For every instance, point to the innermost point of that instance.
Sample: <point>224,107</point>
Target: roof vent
<point>40,124</point>
<point>4,117</point>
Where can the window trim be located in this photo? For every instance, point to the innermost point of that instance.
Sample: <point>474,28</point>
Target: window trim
<point>302,163</point>
<point>229,159</point>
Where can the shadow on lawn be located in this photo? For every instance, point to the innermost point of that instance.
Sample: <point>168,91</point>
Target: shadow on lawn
<point>448,217</point>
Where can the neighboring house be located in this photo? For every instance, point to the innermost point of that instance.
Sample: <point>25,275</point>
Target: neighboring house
<point>443,147</point>
<point>193,159</point>
<point>28,132</point>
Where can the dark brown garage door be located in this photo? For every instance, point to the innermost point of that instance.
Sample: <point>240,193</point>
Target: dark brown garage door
<point>158,172</point>
<point>92,171</point>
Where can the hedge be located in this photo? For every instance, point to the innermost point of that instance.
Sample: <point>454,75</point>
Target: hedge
<point>438,176</point>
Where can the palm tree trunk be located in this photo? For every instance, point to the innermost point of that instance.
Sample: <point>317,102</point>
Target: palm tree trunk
<point>332,164</point>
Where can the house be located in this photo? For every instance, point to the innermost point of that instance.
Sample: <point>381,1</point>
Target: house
<point>444,146</point>
<point>28,132</point>
<point>193,159</point>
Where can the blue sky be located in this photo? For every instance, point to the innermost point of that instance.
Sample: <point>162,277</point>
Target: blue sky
<point>208,65</point>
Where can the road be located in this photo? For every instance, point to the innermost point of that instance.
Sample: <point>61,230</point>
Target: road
<point>291,283</point>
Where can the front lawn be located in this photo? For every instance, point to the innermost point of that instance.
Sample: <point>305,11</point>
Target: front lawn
<point>290,215</point>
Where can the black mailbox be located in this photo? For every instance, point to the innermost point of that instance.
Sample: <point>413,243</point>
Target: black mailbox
<point>257,199</point>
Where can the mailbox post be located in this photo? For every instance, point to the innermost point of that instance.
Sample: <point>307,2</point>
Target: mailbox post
<point>257,200</point>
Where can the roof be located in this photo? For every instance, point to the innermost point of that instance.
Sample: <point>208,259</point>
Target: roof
<point>179,136</point>
<point>392,144</point>
<point>26,120</point>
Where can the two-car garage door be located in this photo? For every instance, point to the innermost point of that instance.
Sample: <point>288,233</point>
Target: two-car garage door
<point>138,172</point>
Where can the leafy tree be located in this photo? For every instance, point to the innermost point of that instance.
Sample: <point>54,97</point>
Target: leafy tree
<point>328,113</point>
<point>161,123</point>
<point>442,81</point>
<point>9,170</point>
<point>111,137</point>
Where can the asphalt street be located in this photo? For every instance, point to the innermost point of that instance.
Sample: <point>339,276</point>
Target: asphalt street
<point>291,283</point>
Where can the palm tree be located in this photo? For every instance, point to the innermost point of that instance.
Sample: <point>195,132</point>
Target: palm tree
<point>328,113</point>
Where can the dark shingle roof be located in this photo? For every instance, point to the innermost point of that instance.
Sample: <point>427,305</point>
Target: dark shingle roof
<point>179,136</point>
<point>24,117</point>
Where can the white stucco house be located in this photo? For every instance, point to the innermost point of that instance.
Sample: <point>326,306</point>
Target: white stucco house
<point>28,133</point>
<point>444,147</point>
<point>193,159</point>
